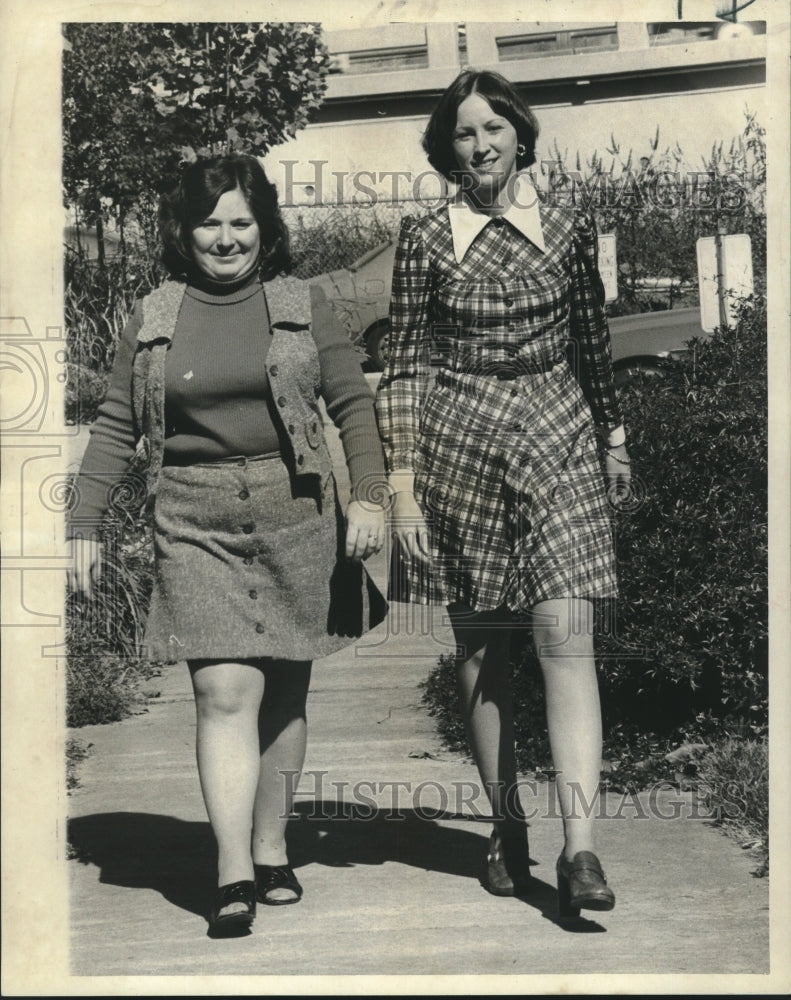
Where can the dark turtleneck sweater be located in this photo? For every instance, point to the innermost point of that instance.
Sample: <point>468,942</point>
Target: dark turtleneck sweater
<point>216,388</point>
<point>217,397</point>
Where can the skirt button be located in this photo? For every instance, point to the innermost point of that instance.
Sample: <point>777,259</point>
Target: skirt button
<point>260,628</point>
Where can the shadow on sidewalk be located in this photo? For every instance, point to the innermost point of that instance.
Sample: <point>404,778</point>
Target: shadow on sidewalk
<point>178,858</point>
<point>148,851</point>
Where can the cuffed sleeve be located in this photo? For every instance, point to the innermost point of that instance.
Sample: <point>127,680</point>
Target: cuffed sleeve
<point>402,389</point>
<point>589,332</point>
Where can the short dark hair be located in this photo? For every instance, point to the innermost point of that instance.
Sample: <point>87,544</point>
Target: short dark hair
<point>503,99</point>
<point>194,196</point>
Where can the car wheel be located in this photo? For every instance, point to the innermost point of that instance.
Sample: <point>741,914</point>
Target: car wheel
<point>377,343</point>
<point>636,371</point>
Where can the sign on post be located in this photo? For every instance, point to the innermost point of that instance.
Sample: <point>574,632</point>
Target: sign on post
<point>736,279</point>
<point>608,267</point>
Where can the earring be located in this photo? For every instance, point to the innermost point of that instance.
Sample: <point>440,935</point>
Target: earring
<point>521,149</point>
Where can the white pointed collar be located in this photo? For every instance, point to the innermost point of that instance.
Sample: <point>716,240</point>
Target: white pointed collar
<point>523,214</point>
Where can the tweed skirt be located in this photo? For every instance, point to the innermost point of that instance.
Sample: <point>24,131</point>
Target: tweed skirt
<point>250,564</point>
<point>509,482</point>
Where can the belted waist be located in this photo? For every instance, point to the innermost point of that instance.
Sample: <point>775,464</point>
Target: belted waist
<point>505,369</point>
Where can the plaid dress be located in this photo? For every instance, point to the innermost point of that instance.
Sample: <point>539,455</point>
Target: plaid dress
<point>506,468</point>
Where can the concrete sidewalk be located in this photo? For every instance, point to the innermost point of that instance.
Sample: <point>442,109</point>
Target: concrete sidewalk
<point>389,851</point>
<point>389,841</point>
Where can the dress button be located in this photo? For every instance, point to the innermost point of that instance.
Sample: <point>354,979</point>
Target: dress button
<point>512,326</point>
<point>281,401</point>
<point>518,426</point>
<point>260,628</point>
<point>509,302</point>
<point>248,528</point>
<point>244,495</point>
<point>300,459</point>
<point>514,392</point>
<point>248,560</point>
<point>274,370</point>
<point>253,595</point>
<point>291,428</point>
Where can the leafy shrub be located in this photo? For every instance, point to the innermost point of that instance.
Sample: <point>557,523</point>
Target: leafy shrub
<point>693,554</point>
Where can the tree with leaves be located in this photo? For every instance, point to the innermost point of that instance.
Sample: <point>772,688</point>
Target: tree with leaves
<point>139,98</point>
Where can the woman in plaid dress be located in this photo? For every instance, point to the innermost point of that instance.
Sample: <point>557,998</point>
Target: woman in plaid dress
<point>500,510</point>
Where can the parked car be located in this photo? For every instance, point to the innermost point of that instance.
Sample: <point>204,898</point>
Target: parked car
<point>359,296</point>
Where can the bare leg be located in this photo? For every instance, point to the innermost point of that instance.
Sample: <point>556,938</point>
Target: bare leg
<point>484,685</point>
<point>227,700</point>
<point>563,635</point>
<point>282,729</point>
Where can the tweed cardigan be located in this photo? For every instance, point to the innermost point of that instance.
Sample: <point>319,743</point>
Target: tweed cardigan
<point>292,366</point>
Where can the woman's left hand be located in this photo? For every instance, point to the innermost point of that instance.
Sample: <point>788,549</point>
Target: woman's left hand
<point>619,474</point>
<point>365,529</point>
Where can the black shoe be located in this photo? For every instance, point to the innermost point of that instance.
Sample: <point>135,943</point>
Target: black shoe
<point>270,877</point>
<point>235,923</point>
<point>507,869</point>
<point>582,885</point>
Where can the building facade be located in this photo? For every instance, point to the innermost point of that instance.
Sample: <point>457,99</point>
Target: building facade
<point>605,88</point>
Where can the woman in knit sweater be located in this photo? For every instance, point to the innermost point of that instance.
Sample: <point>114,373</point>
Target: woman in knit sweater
<point>214,388</point>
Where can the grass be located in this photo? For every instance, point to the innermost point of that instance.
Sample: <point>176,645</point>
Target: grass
<point>733,778</point>
<point>97,305</point>
<point>334,239</point>
<point>76,751</point>
<point>104,636</point>
<point>102,686</point>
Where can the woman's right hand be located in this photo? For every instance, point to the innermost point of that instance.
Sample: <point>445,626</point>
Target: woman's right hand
<point>409,526</point>
<point>85,558</point>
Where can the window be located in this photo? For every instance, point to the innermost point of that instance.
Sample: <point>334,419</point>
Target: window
<point>556,43</point>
